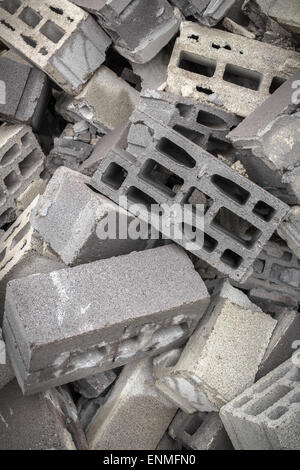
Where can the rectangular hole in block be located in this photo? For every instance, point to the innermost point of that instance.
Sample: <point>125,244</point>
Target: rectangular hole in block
<point>2,195</point>
<point>264,211</point>
<point>278,412</point>
<point>29,41</point>
<point>30,17</point>
<point>235,227</point>
<point>6,217</point>
<point>20,235</point>
<point>231,259</point>
<point>10,6</point>
<point>205,91</point>
<point>114,176</point>
<point>185,110</point>
<point>10,155</point>
<point>52,31</point>
<point>231,189</point>
<point>190,134</point>
<point>276,83</point>
<point>12,182</point>
<point>197,64</point>
<point>26,140</point>
<point>193,424</point>
<point>195,196</point>
<point>265,402</point>
<point>209,244</point>
<point>259,266</point>
<point>211,120</point>
<point>29,164</point>
<point>137,196</point>
<point>2,255</point>
<point>242,77</point>
<point>287,257</point>
<point>241,402</point>
<point>176,153</point>
<point>162,178</point>
<point>220,147</point>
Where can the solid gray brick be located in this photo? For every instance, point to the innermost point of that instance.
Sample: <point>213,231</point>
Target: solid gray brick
<point>100,316</point>
<point>198,177</point>
<point>61,39</point>
<point>266,416</point>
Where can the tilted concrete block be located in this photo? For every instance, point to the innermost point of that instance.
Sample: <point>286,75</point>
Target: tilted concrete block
<point>276,270</point>
<point>207,12</point>
<point>93,387</point>
<point>106,101</point>
<point>90,326</point>
<point>135,416</point>
<point>31,422</point>
<point>162,166</point>
<point>73,218</point>
<point>139,29</point>
<point>200,431</point>
<point>27,91</point>
<point>289,230</point>
<point>222,357</point>
<point>232,71</point>
<point>61,39</point>
<point>6,371</point>
<point>21,162</point>
<point>267,415</point>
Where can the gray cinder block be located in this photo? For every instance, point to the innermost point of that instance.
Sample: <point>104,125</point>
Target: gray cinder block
<point>105,101</point>
<point>135,416</point>
<point>139,29</point>
<point>216,365</point>
<point>161,166</point>
<point>230,70</point>
<point>267,415</point>
<point>200,431</point>
<point>101,315</point>
<point>289,230</point>
<point>207,12</point>
<point>72,218</point>
<point>27,91</point>
<point>61,39</point>
<point>93,387</point>
<point>21,162</point>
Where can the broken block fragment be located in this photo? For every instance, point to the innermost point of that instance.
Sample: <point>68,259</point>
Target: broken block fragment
<point>289,230</point>
<point>207,12</point>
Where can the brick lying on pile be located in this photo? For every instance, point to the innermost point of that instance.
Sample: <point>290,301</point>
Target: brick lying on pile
<point>269,140</point>
<point>73,218</point>
<point>139,29</point>
<point>6,372</point>
<point>61,39</point>
<point>27,91</point>
<point>226,69</point>
<point>202,123</point>
<point>215,366</point>
<point>275,282</point>
<point>135,416</point>
<point>267,415</point>
<point>31,422</point>
<point>207,12</point>
<point>23,253</point>
<point>200,431</point>
<point>94,386</point>
<point>289,230</point>
<point>161,166</point>
<point>105,101</point>
<point>101,315</point>
<point>21,162</point>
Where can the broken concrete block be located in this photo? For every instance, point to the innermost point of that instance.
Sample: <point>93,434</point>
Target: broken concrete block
<point>289,230</point>
<point>162,166</point>
<point>207,12</point>
<point>202,123</point>
<point>287,14</point>
<point>36,188</point>
<point>61,39</point>
<point>285,335</point>
<point>215,366</point>
<point>21,162</point>
<point>139,29</point>
<point>237,28</point>
<point>151,311</point>
<point>31,422</point>
<point>73,219</point>
<point>275,271</point>
<point>27,91</point>
<point>154,73</point>
<point>267,415</point>
<point>200,431</point>
<point>93,387</point>
<point>135,416</point>
<point>231,71</point>
<point>106,101</point>
<point>6,371</point>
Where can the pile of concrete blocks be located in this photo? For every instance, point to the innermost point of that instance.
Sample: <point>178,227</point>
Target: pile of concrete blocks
<point>149,226</point>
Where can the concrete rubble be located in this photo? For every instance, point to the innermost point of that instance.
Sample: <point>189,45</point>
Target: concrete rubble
<point>149,226</point>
